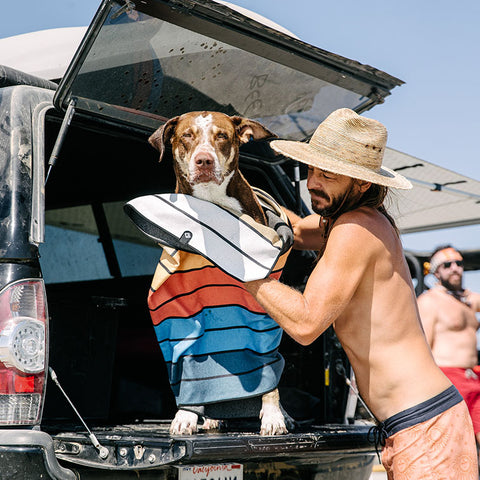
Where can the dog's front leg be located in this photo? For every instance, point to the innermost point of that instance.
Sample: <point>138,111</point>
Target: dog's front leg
<point>184,423</point>
<point>273,419</point>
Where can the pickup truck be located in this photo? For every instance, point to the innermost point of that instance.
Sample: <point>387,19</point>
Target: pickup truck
<point>84,392</point>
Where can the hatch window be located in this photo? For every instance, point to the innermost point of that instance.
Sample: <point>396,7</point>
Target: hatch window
<point>143,70</point>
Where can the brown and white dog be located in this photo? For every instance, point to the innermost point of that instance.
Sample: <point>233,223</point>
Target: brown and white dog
<point>205,148</point>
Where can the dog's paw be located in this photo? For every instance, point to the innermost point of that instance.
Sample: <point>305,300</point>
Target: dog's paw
<point>274,418</point>
<point>273,426</point>
<point>273,421</point>
<point>211,424</point>
<point>184,423</point>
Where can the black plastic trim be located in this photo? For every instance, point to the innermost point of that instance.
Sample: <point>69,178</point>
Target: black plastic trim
<point>14,441</point>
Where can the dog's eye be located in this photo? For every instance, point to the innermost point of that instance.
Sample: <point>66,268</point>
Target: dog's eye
<point>222,135</point>
<point>186,135</point>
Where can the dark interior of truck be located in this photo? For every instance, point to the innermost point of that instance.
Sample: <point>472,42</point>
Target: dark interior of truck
<point>102,343</point>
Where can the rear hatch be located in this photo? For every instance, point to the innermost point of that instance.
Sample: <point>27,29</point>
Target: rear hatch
<point>139,65</point>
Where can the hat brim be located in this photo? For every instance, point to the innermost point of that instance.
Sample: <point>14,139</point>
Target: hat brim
<point>304,153</point>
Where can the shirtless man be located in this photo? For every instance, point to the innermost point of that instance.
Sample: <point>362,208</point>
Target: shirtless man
<point>448,316</point>
<point>361,285</point>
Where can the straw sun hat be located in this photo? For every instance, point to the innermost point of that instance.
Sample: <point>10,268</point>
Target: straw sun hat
<point>347,144</point>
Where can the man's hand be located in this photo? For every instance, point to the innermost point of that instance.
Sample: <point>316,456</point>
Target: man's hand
<point>309,232</point>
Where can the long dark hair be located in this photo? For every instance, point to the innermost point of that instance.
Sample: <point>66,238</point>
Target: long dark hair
<point>373,197</point>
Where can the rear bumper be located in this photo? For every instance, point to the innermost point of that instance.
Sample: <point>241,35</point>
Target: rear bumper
<point>30,455</point>
<point>322,454</point>
<point>146,447</point>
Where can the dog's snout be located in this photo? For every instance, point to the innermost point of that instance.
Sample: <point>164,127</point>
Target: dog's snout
<point>204,160</point>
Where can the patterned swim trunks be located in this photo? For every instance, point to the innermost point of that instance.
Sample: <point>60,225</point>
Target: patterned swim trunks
<point>440,445</point>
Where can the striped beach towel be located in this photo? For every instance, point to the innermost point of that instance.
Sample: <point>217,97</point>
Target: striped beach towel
<point>217,341</point>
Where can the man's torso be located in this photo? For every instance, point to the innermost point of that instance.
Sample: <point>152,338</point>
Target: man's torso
<point>454,336</point>
<point>380,329</point>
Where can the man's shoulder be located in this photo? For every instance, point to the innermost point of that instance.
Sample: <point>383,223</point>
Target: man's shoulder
<point>432,296</point>
<point>473,298</point>
<point>469,292</point>
<point>361,216</point>
<point>365,234</point>
<point>429,303</point>
<point>366,221</point>
<point>427,295</point>
<point>356,222</point>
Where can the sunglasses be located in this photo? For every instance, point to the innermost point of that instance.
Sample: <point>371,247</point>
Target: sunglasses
<point>458,263</point>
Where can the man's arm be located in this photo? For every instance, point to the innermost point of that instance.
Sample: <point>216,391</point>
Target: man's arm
<point>308,231</point>
<point>428,316</point>
<point>329,289</point>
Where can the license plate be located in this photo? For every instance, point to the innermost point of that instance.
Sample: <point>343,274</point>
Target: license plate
<point>219,471</point>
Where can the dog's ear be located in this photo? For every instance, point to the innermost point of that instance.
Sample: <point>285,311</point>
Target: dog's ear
<point>162,136</point>
<point>250,129</point>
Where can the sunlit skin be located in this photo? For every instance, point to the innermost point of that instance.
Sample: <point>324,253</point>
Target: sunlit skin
<point>450,325</point>
<point>362,286</point>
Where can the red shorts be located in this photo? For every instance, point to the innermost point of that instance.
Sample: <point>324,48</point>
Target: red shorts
<point>468,384</point>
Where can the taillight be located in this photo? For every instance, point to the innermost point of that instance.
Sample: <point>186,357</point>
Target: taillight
<point>23,352</point>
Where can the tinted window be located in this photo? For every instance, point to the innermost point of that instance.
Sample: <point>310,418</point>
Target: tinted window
<point>144,70</point>
<point>136,253</point>
<point>72,251</point>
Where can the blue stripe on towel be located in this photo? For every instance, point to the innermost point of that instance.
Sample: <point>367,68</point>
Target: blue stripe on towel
<point>223,353</point>
<point>219,384</point>
<point>214,330</point>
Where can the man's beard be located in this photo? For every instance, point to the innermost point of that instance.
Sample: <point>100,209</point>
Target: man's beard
<point>331,209</point>
<point>337,206</point>
<point>454,287</point>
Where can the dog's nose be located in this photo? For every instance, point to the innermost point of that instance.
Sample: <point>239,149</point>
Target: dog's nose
<point>203,160</point>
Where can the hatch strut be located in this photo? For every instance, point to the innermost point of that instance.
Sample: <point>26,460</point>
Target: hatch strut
<point>102,451</point>
<point>127,8</point>
<point>341,371</point>
<point>61,136</point>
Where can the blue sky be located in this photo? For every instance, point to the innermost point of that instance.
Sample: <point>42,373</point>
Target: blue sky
<point>432,45</point>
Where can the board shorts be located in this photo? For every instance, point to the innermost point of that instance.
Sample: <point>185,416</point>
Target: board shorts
<point>432,441</point>
<point>468,384</point>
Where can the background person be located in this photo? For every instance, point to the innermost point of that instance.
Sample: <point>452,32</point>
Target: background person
<point>362,286</point>
<point>448,313</point>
